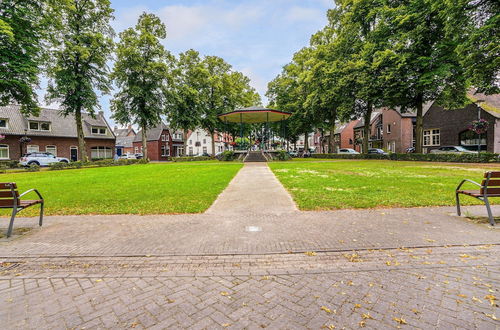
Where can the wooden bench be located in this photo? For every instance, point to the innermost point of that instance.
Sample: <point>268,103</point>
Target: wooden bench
<point>10,199</point>
<point>489,187</point>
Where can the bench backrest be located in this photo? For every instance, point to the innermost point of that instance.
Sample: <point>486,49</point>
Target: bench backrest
<point>8,193</point>
<point>491,183</point>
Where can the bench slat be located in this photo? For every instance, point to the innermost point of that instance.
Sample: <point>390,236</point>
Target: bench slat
<point>8,193</point>
<point>493,174</point>
<point>491,183</point>
<point>491,191</point>
<point>7,202</point>
<point>7,185</point>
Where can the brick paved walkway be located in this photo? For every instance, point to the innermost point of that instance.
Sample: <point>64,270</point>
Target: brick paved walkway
<point>421,268</point>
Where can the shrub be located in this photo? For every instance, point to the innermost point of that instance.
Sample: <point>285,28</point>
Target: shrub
<point>227,156</point>
<point>58,166</point>
<point>32,168</point>
<point>283,155</point>
<point>191,158</point>
<point>484,157</point>
<point>3,169</point>
<point>10,163</point>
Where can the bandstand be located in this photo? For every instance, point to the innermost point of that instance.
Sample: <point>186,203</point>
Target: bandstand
<point>257,115</point>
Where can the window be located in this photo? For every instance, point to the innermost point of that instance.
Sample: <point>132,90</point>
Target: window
<point>432,137</point>
<point>101,152</point>
<point>163,137</point>
<point>32,148</point>
<point>388,128</point>
<point>204,150</point>
<point>190,151</point>
<point>136,150</point>
<point>51,149</point>
<point>190,141</point>
<point>4,151</point>
<point>165,151</point>
<point>204,141</point>
<point>99,130</point>
<point>3,123</point>
<point>39,126</point>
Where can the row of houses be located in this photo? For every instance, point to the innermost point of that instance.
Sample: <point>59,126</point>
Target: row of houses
<point>394,130</point>
<point>52,132</point>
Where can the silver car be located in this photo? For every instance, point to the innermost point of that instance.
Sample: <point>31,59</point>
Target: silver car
<point>41,159</point>
<point>348,151</point>
<point>452,150</point>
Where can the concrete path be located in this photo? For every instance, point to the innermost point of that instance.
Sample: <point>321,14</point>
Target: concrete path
<point>254,191</point>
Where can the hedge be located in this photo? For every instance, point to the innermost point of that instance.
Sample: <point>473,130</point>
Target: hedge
<point>190,158</point>
<point>98,163</point>
<point>484,157</point>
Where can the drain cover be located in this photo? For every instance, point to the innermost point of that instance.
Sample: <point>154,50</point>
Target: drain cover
<point>253,228</point>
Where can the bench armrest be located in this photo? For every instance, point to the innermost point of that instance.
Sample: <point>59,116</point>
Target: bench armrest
<point>466,180</point>
<point>31,190</point>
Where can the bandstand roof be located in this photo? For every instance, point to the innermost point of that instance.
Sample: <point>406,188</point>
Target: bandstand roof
<point>253,115</point>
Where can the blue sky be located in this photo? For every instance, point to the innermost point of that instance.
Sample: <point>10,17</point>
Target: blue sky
<point>257,37</point>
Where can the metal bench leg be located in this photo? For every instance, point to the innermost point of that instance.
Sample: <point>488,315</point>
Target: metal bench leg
<point>41,215</point>
<point>11,224</point>
<point>458,205</point>
<point>488,208</point>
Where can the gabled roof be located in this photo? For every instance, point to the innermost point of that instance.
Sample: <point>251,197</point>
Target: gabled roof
<point>361,122</point>
<point>125,141</point>
<point>122,132</point>
<point>489,103</point>
<point>152,134</point>
<point>60,126</point>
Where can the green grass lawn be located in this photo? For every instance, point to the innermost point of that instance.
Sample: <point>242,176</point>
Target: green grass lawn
<point>135,189</point>
<point>375,183</point>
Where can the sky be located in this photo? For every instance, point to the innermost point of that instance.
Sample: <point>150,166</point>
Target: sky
<point>257,37</point>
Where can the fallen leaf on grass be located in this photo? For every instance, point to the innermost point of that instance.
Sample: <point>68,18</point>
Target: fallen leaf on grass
<point>491,298</point>
<point>366,316</point>
<point>170,301</point>
<point>415,311</point>
<point>399,320</point>
<point>477,299</point>
<point>224,293</point>
<point>357,305</point>
<point>430,240</point>
<point>492,316</point>
<point>310,253</point>
<point>225,325</point>
<point>362,324</point>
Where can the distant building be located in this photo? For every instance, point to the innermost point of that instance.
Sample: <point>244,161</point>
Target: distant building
<point>344,135</point>
<point>52,132</point>
<point>199,142</point>
<point>162,141</point>
<point>124,140</point>
<point>451,127</point>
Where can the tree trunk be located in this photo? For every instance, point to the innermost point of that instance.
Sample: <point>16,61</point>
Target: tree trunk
<point>366,128</point>
<point>213,143</point>
<point>185,142</point>
<point>419,129</point>
<point>144,143</point>
<point>81,138</point>
<point>321,137</point>
<point>331,139</point>
<point>306,142</point>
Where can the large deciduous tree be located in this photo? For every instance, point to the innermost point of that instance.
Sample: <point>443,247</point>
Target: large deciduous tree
<point>23,27</point>
<point>141,73</point>
<point>82,43</point>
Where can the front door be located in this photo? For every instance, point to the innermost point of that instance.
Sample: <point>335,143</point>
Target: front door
<point>74,154</point>
<point>119,151</point>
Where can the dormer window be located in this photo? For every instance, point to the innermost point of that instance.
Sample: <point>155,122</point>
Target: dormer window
<point>39,126</point>
<point>99,130</point>
<point>3,123</point>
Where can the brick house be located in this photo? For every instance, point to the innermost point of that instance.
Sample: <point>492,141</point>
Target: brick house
<point>398,130</point>
<point>162,142</point>
<point>344,135</point>
<point>376,134</point>
<point>451,127</point>
<point>51,132</point>
<point>124,140</point>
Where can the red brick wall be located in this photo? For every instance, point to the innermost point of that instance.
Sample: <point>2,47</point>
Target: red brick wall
<point>347,135</point>
<point>154,147</point>
<point>63,145</point>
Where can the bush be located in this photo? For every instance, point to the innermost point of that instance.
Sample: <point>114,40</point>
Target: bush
<point>32,168</point>
<point>9,163</point>
<point>484,157</point>
<point>191,158</point>
<point>227,156</point>
<point>58,166</point>
<point>3,169</point>
<point>283,155</point>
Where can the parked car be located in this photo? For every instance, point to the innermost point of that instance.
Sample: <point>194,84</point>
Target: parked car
<point>410,150</point>
<point>348,151</point>
<point>293,154</point>
<point>377,151</point>
<point>451,150</point>
<point>41,159</point>
<point>138,156</point>
<point>128,156</point>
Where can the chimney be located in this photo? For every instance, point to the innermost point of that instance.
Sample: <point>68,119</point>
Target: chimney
<point>129,126</point>
<point>101,113</point>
